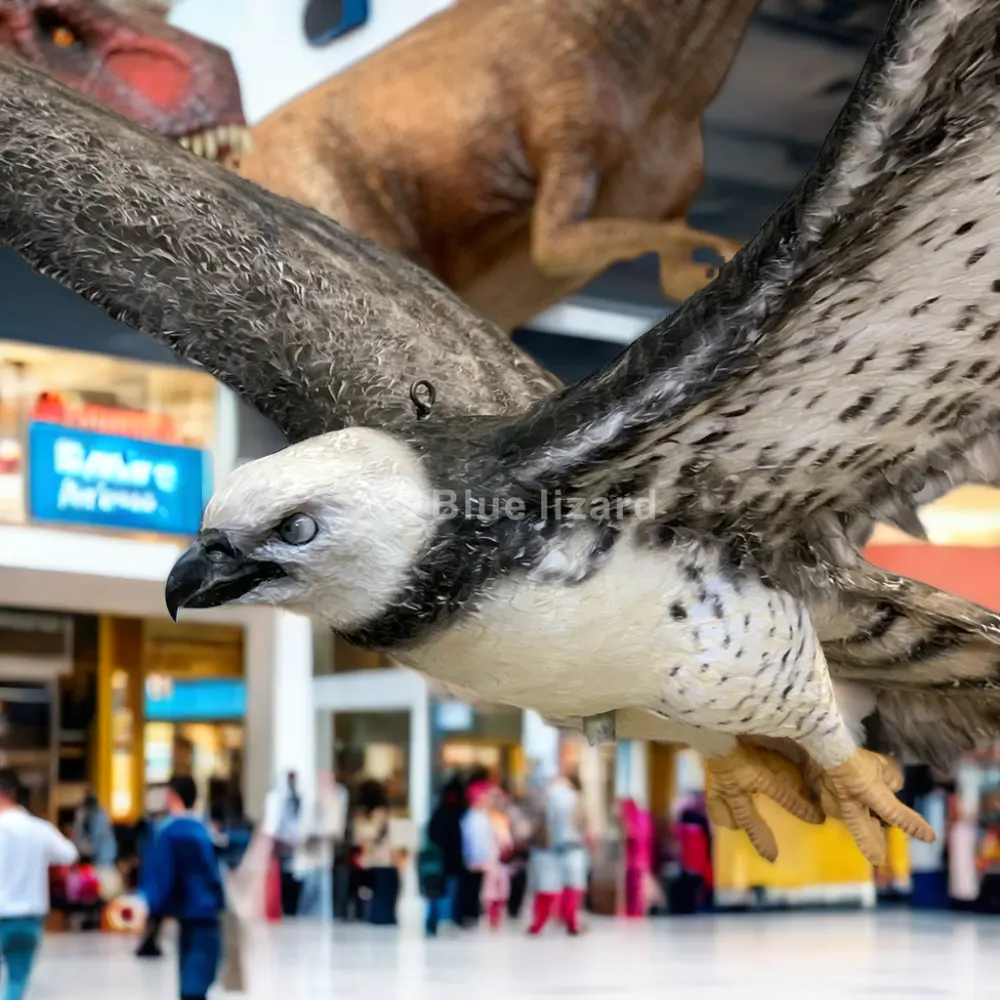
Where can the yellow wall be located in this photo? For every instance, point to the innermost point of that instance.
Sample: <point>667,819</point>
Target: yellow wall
<point>119,772</point>
<point>807,855</point>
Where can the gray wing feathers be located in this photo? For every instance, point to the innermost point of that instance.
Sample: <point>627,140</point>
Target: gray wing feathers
<point>313,325</point>
<point>932,660</point>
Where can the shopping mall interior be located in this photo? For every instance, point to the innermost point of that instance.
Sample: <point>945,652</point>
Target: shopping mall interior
<point>111,445</point>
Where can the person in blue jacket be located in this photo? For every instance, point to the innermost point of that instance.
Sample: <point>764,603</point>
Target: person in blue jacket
<point>185,882</point>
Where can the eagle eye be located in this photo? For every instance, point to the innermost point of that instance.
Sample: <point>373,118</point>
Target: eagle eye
<point>298,529</point>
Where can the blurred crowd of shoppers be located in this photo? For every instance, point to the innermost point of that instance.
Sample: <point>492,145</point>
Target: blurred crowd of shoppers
<point>486,848</point>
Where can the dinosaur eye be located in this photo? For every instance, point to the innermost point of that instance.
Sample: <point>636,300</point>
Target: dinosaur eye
<point>299,529</point>
<point>60,33</point>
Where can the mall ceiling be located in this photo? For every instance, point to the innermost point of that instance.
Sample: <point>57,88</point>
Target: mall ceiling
<point>790,79</point>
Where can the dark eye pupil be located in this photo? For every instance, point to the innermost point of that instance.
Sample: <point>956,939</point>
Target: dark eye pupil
<point>298,530</point>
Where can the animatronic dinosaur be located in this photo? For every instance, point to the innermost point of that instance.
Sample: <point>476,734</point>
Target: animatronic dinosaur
<point>124,54</point>
<point>517,148</point>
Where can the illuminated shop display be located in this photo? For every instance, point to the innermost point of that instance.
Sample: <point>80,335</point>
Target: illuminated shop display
<point>78,477</point>
<point>95,441</point>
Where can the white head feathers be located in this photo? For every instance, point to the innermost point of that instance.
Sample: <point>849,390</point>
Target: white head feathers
<point>343,514</point>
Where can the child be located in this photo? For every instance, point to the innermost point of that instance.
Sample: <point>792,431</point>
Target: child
<point>185,883</point>
<point>479,848</point>
<point>496,876</point>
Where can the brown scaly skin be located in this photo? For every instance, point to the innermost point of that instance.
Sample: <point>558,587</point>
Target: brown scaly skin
<point>516,148</point>
<point>126,56</point>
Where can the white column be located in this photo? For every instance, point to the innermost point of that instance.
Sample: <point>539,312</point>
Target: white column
<point>540,742</point>
<point>281,720</point>
<point>294,732</point>
<point>689,771</point>
<point>324,741</point>
<point>639,773</point>
<point>227,433</point>
<point>632,772</point>
<point>420,758</point>
<point>594,795</point>
<point>258,774</point>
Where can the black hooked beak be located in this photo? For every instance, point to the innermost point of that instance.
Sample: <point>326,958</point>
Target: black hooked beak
<point>212,572</point>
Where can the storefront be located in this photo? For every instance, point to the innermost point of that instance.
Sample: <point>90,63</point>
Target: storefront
<point>171,699</point>
<point>95,442</point>
<point>36,654</point>
<point>477,738</point>
<point>107,461</point>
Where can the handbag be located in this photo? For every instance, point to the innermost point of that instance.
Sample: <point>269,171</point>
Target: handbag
<point>232,977</point>
<point>272,893</point>
<point>248,886</point>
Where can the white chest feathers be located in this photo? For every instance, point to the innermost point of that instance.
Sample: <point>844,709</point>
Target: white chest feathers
<point>654,628</point>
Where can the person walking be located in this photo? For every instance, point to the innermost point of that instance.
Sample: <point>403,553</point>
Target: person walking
<point>283,823</point>
<point>522,832</point>
<point>444,834</point>
<point>560,860</point>
<point>186,883</point>
<point>963,878</point>
<point>149,939</point>
<point>324,822</point>
<point>372,836</point>
<point>478,849</point>
<point>94,834</point>
<point>638,829</point>
<point>691,890</point>
<point>496,873</point>
<point>29,846</point>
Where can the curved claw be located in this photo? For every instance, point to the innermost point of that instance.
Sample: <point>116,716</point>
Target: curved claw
<point>861,792</point>
<point>680,275</point>
<point>681,281</point>
<point>747,771</point>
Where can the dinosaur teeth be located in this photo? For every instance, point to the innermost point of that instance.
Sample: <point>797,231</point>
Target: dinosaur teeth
<point>218,142</point>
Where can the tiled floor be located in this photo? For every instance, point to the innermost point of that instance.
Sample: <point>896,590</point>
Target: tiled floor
<point>803,956</point>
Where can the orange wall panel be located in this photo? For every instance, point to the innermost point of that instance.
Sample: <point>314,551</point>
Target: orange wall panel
<point>972,573</point>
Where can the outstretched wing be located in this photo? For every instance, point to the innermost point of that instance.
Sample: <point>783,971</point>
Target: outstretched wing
<point>847,359</point>
<point>931,660</point>
<point>315,326</point>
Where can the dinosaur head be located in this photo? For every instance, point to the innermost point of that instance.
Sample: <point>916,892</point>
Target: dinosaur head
<point>125,55</point>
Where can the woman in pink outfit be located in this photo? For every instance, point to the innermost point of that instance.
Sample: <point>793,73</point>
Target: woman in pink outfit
<point>638,829</point>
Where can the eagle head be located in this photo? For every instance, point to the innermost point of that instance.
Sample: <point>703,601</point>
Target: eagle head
<point>329,527</point>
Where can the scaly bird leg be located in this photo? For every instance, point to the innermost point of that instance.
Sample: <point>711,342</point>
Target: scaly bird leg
<point>855,786</point>
<point>861,792</point>
<point>745,771</point>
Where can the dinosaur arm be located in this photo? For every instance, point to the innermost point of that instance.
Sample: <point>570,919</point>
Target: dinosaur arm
<point>565,242</point>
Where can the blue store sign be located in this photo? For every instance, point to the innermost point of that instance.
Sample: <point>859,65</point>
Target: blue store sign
<point>205,699</point>
<point>80,477</point>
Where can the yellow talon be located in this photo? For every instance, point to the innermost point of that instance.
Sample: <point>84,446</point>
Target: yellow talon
<point>861,792</point>
<point>744,772</point>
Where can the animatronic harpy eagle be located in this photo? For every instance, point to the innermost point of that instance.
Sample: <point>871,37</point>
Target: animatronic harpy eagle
<point>667,550</point>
